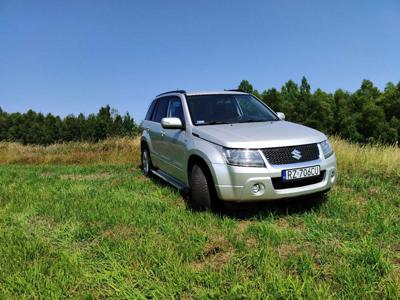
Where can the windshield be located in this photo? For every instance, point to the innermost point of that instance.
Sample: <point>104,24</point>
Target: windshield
<point>228,109</point>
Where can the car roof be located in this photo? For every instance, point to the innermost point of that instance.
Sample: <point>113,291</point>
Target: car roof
<point>196,93</point>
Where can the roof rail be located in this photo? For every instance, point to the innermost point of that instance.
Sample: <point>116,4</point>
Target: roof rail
<point>235,90</point>
<point>176,91</point>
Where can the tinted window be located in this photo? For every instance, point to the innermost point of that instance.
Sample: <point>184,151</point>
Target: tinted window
<point>228,108</point>
<point>175,109</point>
<point>161,110</point>
<point>150,111</point>
<point>251,108</point>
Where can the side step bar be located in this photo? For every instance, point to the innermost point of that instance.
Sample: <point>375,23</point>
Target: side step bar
<point>172,181</point>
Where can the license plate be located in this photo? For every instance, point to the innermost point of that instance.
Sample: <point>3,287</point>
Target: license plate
<point>299,173</point>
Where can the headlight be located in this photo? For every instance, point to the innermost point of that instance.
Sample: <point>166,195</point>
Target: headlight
<point>243,157</point>
<point>326,148</point>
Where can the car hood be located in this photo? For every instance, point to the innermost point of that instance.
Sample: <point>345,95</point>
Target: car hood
<point>259,135</point>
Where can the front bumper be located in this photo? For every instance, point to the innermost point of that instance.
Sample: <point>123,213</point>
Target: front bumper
<point>235,183</point>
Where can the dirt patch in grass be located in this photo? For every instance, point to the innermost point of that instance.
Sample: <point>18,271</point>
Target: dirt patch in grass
<point>142,178</point>
<point>396,264</point>
<point>359,199</point>
<point>373,190</point>
<point>119,231</point>
<point>286,250</point>
<point>185,296</point>
<point>241,231</point>
<point>43,222</point>
<point>217,252</point>
<point>361,203</point>
<point>251,242</point>
<point>344,189</point>
<point>94,176</point>
<point>47,174</point>
<point>282,223</point>
<point>242,226</point>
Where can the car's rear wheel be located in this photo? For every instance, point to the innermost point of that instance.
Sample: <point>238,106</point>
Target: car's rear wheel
<point>146,161</point>
<point>202,192</point>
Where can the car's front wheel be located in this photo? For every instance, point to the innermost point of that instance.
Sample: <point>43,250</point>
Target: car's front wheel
<point>202,193</point>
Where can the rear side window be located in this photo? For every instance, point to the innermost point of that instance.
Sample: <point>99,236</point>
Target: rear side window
<point>150,111</point>
<point>161,110</point>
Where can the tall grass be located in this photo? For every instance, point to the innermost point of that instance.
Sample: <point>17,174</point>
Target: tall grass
<point>369,159</point>
<point>111,151</point>
<point>372,159</point>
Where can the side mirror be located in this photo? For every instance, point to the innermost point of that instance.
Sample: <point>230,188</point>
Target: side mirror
<point>281,115</point>
<point>171,123</point>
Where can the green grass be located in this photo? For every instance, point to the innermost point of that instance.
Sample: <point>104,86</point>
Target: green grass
<point>108,232</point>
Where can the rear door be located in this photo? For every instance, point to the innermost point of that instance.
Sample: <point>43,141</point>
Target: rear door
<point>156,133</point>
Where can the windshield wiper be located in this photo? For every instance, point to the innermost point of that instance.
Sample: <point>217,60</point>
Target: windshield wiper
<point>253,120</point>
<point>213,123</point>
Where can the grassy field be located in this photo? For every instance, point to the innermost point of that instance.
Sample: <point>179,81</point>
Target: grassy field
<point>81,221</point>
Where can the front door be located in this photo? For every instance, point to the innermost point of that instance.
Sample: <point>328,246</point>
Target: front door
<point>174,141</point>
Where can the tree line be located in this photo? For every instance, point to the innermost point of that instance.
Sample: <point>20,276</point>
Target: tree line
<point>35,128</point>
<point>367,115</point>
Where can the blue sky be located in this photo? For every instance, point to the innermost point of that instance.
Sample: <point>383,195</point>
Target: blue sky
<point>74,56</point>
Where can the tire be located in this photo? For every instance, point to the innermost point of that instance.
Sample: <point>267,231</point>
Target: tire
<point>201,189</point>
<point>146,161</point>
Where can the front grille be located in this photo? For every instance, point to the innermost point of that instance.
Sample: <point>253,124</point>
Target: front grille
<point>279,184</point>
<point>284,155</point>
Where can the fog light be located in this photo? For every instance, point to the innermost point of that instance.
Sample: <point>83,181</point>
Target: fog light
<point>256,188</point>
<point>333,176</point>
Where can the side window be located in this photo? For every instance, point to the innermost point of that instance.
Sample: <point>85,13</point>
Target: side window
<point>175,109</point>
<point>161,110</point>
<point>150,111</point>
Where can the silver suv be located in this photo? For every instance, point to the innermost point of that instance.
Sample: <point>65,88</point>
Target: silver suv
<point>230,146</point>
